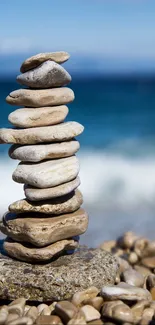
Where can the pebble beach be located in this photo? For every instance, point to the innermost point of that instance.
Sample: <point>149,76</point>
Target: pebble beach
<point>130,300</point>
<point>77,162</point>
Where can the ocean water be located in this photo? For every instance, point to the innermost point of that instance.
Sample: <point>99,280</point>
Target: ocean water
<point>117,154</point>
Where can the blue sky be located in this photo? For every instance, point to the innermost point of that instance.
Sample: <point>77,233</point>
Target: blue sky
<point>110,28</point>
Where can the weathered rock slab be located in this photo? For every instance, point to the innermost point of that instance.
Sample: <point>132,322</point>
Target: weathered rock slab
<point>58,280</point>
<point>37,59</point>
<point>41,116</point>
<point>47,75</point>
<point>39,152</point>
<point>40,230</point>
<point>40,97</point>
<point>35,194</point>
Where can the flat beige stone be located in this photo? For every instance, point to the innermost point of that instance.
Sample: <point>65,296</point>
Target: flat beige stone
<point>32,254</point>
<point>47,75</point>
<point>35,194</point>
<point>42,116</point>
<point>39,152</point>
<point>40,97</point>
<point>55,133</point>
<point>64,204</point>
<point>37,59</point>
<point>41,231</point>
<point>48,173</point>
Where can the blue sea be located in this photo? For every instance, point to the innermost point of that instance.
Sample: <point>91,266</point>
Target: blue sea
<point>117,153</point>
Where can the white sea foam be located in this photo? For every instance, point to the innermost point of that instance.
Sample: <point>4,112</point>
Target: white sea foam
<point>116,180</point>
<point>119,192</point>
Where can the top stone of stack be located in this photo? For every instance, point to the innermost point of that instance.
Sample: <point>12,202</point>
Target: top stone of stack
<point>44,71</point>
<point>36,60</point>
<point>48,74</point>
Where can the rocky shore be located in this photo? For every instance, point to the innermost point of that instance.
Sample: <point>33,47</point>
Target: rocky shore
<point>130,300</point>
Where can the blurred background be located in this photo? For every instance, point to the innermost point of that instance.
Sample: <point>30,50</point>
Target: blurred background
<point>112,47</point>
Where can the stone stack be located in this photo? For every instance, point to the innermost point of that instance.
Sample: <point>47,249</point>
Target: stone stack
<point>49,220</point>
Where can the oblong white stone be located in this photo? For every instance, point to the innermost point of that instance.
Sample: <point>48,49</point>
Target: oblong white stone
<point>37,194</point>
<point>39,152</point>
<point>42,116</point>
<point>47,174</point>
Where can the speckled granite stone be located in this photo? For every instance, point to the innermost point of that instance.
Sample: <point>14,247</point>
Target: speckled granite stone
<point>59,279</point>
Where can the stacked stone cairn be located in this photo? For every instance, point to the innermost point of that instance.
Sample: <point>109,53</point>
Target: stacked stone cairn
<point>46,223</point>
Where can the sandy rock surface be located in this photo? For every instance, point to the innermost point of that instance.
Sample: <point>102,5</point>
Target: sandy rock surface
<point>85,268</point>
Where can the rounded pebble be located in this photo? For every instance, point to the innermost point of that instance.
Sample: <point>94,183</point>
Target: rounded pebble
<point>32,313</point>
<point>90,313</point>
<point>17,306</point>
<point>65,310</point>
<point>147,316</point>
<point>125,292</point>
<point>96,302</point>
<point>117,311</point>
<point>79,297</point>
<point>3,314</point>
<point>133,277</point>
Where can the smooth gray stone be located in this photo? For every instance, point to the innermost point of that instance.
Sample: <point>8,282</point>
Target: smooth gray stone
<point>37,194</point>
<point>124,291</point>
<point>40,116</point>
<point>47,75</point>
<point>39,152</point>
<point>48,173</point>
<point>83,269</point>
<point>55,133</point>
<point>37,59</point>
<point>40,97</point>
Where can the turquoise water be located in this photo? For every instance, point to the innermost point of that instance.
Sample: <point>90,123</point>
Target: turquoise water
<point>111,109</point>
